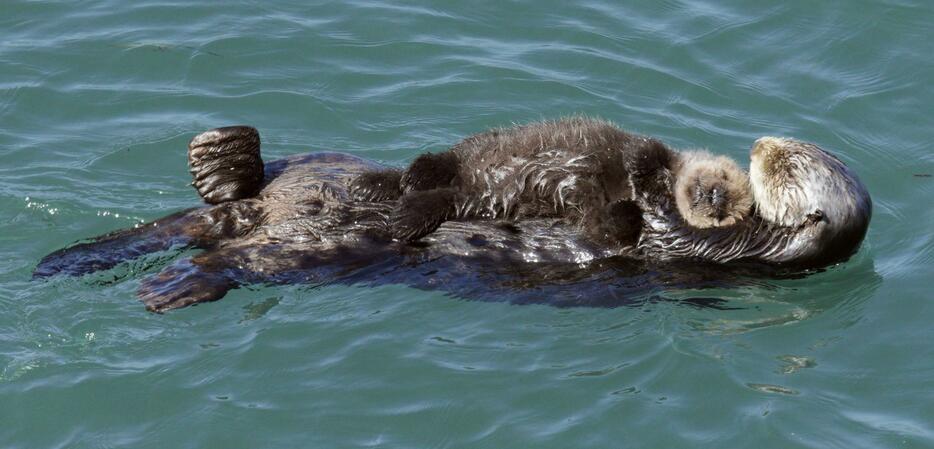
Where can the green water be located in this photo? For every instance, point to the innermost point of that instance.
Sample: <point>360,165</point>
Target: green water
<point>99,98</point>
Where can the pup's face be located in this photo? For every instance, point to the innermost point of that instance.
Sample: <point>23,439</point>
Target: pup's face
<point>712,191</point>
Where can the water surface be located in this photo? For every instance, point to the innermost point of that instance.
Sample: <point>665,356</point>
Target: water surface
<point>99,98</point>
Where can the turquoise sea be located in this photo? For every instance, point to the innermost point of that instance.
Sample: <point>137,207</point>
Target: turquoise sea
<point>99,98</point>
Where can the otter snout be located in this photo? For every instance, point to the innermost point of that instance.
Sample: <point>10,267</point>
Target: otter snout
<point>718,202</point>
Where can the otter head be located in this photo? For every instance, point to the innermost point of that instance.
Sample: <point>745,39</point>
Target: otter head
<point>798,185</point>
<point>711,190</point>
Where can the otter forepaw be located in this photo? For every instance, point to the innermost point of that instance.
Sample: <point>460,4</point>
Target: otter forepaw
<point>430,171</point>
<point>649,158</point>
<point>377,186</point>
<point>815,217</point>
<point>421,213</point>
<point>621,222</point>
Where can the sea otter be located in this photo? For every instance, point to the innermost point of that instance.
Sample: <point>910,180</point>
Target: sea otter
<point>711,190</point>
<point>585,170</point>
<point>305,226</point>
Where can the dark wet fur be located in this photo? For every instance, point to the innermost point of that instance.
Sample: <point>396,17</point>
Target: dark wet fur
<point>378,185</point>
<point>226,164</point>
<point>575,168</point>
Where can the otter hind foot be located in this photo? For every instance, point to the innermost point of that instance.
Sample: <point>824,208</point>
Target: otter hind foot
<point>431,171</point>
<point>421,213</point>
<point>377,186</point>
<point>186,282</point>
<point>226,163</point>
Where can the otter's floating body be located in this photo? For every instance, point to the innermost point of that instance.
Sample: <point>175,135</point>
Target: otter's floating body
<point>304,226</point>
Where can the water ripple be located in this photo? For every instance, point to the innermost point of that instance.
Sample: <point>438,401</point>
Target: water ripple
<point>99,98</point>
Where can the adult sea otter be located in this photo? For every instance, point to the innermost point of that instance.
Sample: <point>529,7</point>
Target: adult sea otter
<point>302,224</point>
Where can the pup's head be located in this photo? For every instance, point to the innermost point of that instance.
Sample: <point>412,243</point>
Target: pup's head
<point>711,190</point>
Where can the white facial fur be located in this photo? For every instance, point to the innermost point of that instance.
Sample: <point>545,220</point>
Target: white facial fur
<point>792,179</point>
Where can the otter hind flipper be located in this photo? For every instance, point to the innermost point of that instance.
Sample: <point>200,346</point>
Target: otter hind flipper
<point>420,213</point>
<point>226,164</point>
<point>184,283</point>
<point>376,186</point>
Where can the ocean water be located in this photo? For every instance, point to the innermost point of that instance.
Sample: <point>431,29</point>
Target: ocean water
<point>99,98</point>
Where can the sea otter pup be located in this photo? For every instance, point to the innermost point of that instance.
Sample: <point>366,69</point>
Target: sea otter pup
<point>584,170</point>
<point>711,190</point>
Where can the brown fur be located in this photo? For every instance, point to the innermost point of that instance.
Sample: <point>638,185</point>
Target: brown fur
<point>710,190</point>
<point>575,168</point>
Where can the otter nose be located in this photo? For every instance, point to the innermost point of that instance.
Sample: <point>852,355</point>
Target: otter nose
<point>717,199</point>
